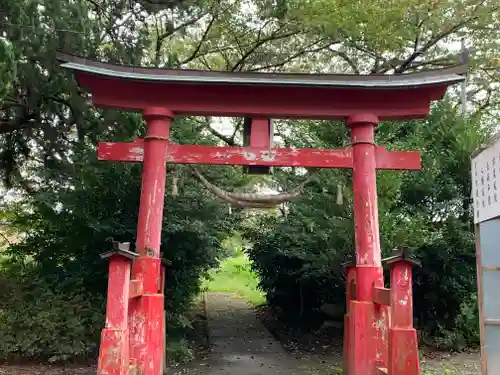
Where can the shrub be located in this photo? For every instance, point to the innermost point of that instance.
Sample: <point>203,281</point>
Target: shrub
<point>465,331</point>
<point>37,321</point>
<point>58,304</point>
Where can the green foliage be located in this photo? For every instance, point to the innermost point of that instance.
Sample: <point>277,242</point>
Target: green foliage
<point>465,327</point>
<point>298,256</point>
<point>179,350</point>
<point>8,68</point>
<point>448,277</point>
<point>40,321</point>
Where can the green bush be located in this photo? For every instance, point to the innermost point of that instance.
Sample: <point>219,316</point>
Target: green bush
<point>179,350</point>
<point>37,321</point>
<point>59,302</point>
<point>40,322</point>
<point>447,279</point>
<point>465,331</point>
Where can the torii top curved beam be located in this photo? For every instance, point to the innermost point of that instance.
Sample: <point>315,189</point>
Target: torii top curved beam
<point>284,95</point>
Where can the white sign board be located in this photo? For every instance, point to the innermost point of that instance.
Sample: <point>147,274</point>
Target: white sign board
<point>486,183</point>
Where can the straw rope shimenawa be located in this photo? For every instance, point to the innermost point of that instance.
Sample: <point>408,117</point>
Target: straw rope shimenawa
<point>252,200</point>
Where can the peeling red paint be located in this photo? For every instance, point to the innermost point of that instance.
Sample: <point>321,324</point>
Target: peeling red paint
<point>147,341</point>
<point>195,154</point>
<point>114,349</point>
<point>365,328</point>
<point>136,288</point>
<point>369,329</point>
<point>146,311</point>
<point>403,344</point>
<point>365,203</point>
<point>363,349</point>
<point>133,152</point>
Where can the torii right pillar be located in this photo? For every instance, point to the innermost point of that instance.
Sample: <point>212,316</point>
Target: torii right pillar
<point>369,316</point>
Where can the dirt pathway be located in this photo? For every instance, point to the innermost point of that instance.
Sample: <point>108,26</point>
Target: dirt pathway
<point>240,344</point>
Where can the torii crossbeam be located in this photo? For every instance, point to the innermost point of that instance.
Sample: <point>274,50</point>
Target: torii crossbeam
<point>272,157</point>
<point>380,338</point>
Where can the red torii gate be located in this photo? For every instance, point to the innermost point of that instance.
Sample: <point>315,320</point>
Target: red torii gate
<point>379,333</point>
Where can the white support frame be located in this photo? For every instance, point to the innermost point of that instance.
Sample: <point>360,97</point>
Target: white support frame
<point>485,171</point>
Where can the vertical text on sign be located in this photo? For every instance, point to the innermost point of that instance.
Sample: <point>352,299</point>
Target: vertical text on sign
<point>486,183</point>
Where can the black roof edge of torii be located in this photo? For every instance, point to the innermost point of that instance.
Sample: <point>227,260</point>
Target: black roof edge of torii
<point>449,75</point>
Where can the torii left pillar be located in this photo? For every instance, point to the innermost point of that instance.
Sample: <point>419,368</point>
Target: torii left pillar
<point>368,321</point>
<point>146,312</point>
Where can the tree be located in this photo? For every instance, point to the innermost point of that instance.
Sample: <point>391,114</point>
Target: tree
<point>382,37</point>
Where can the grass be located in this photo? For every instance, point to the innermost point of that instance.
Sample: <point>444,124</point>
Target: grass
<point>235,276</point>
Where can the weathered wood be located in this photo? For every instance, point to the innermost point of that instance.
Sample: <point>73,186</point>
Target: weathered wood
<point>382,296</point>
<point>133,152</point>
<point>136,289</point>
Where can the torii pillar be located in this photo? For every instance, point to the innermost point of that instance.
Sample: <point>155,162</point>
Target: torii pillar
<point>368,339</point>
<point>146,323</point>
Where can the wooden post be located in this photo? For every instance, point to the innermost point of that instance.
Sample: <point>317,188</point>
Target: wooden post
<point>164,264</point>
<point>363,315</point>
<point>403,343</point>
<point>350,296</point>
<point>114,348</point>
<point>146,311</point>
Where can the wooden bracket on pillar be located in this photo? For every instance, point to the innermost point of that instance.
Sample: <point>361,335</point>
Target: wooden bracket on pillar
<point>136,288</point>
<point>165,264</point>
<point>349,275</point>
<point>382,296</point>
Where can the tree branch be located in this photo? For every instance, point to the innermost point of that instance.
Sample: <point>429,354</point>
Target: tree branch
<point>259,43</point>
<point>293,57</point>
<point>194,55</point>
<point>160,37</point>
<point>436,39</point>
<point>236,129</point>
<point>348,60</point>
<point>183,25</point>
<point>5,238</point>
<point>206,125</point>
